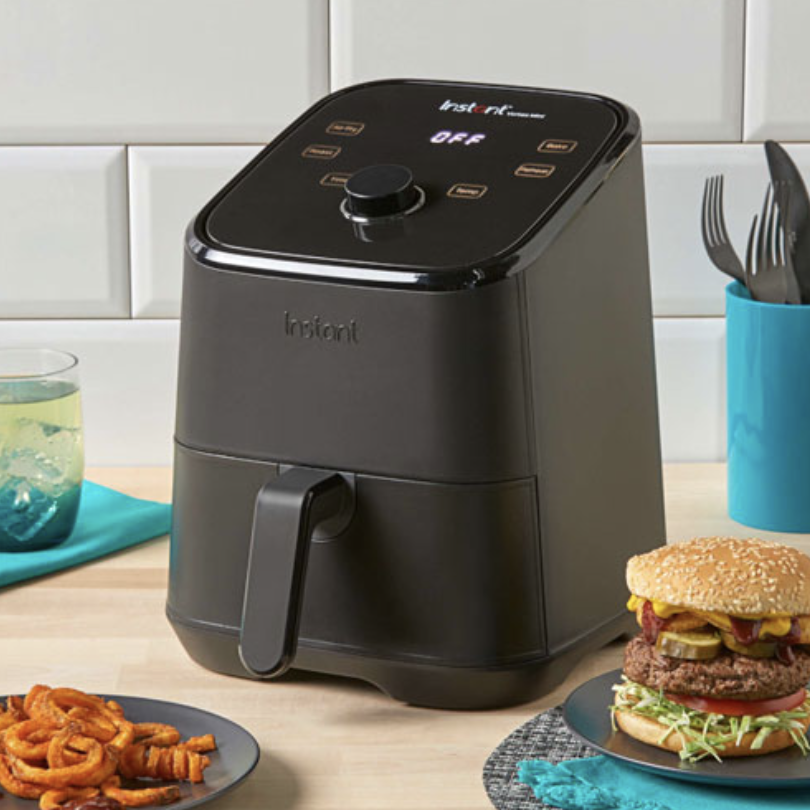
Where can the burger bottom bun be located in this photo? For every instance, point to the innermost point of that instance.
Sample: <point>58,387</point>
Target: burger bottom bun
<point>650,731</point>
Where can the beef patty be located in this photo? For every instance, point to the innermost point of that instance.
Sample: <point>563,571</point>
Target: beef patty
<point>728,675</point>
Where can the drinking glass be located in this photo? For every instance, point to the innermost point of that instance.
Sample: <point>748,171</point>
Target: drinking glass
<point>41,448</point>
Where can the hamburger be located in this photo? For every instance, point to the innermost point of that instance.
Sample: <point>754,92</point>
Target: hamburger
<point>719,668</point>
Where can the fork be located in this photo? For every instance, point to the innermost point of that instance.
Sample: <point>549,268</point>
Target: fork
<point>769,272</point>
<point>715,235</point>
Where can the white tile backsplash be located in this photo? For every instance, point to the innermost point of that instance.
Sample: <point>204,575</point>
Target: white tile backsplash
<point>677,62</point>
<point>158,71</point>
<point>63,232</point>
<point>690,360</point>
<point>180,91</point>
<point>777,103</point>
<point>128,377</point>
<point>168,185</point>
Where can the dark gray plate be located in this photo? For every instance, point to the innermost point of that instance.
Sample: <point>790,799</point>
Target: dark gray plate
<point>586,714</point>
<point>236,755</point>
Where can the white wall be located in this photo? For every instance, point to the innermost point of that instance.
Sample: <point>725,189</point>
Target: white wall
<point>121,117</point>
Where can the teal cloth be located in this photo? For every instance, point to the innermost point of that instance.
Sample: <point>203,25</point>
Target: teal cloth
<point>602,783</point>
<point>108,521</point>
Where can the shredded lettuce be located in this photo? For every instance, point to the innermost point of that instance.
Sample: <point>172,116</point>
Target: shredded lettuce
<point>705,734</point>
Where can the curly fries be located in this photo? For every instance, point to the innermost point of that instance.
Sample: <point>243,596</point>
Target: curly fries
<point>62,745</point>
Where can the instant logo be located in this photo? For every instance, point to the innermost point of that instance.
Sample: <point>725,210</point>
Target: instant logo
<point>317,329</point>
<point>474,108</point>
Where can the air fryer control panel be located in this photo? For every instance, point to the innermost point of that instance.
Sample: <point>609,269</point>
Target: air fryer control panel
<point>422,175</point>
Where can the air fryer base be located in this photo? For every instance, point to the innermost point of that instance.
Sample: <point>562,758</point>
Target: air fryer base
<point>430,685</point>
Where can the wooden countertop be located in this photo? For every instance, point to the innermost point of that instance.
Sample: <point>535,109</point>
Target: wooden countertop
<point>327,744</point>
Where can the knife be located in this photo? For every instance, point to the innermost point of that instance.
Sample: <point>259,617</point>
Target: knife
<point>783,169</point>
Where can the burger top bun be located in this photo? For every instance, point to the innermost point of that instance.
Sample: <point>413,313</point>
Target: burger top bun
<point>725,575</point>
<point>650,731</point>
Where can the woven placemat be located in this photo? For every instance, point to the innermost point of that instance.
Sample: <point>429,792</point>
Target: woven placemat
<point>543,737</point>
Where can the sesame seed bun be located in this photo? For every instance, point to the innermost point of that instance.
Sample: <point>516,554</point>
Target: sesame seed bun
<point>726,575</point>
<point>650,731</point>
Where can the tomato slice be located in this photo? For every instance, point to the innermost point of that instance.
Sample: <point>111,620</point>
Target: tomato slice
<point>738,708</point>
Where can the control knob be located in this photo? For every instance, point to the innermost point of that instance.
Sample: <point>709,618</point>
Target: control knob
<point>382,191</point>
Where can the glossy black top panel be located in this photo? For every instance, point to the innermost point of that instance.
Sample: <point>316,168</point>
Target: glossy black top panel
<point>491,163</point>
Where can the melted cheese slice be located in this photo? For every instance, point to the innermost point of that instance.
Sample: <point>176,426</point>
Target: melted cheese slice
<point>773,624</point>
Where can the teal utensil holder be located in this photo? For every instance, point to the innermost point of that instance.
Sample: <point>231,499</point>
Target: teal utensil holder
<point>768,407</point>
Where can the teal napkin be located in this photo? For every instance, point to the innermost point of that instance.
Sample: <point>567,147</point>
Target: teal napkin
<point>602,783</point>
<point>108,521</point>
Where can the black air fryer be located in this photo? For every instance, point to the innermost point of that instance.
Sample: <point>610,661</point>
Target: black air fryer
<point>417,435</point>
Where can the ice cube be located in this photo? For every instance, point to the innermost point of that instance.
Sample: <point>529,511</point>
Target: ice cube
<point>24,509</point>
<point>43,453</point>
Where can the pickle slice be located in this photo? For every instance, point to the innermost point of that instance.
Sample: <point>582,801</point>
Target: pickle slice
<point>694,646</point>
<point>759,649</point>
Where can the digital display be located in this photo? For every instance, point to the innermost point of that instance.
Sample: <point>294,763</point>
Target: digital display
<point>450,136</point>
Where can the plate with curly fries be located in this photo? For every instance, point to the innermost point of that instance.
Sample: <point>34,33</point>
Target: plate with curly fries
<point>63,749</point>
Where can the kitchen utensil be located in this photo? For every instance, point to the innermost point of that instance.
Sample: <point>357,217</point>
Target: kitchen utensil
<point>41,448</point>
<point>417,436</point>
<point>587,716</point>
<point>783,194</point>
<point>765,274</point>
<point>783,169</point>
<point>234,760</point>
<point>768,399</point>
<point>713,228</point>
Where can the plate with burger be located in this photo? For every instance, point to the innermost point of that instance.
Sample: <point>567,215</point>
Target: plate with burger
<point>713,687</point>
